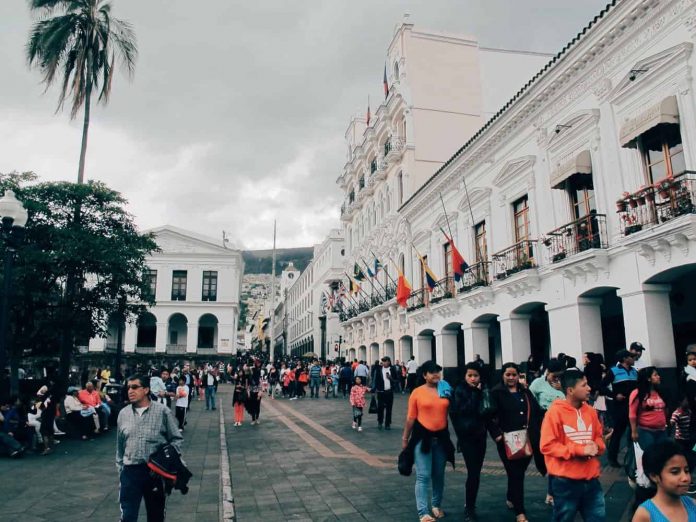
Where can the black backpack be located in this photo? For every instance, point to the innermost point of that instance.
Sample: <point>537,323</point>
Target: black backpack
<point>166,463</point>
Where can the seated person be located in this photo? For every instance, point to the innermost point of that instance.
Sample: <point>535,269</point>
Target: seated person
<point>90,397</point>
<point>80,416</point>
<point>8,445</point>
<point>16,424</point>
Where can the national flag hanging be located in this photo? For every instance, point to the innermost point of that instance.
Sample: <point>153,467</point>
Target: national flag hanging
<point>430,278</point>
<point>378,266</point>
<point>403,290</point>
<point>332,300</point>
<point>459,265</point>
<point>369,116</point>
<point>342,291</point>
<point>358,273</point>
<point>385,82</point>
<point>354,287</point>
<point>324,302</point>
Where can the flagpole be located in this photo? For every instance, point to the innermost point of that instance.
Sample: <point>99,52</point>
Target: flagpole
<point>451,236</point>
<point>271,348</point>
<point>473,222</point>
<point>390,259</point>
<point>374,277</point>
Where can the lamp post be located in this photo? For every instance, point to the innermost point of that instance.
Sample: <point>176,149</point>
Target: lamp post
<point>14,217</point>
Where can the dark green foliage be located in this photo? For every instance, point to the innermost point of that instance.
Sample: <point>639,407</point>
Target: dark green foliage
<point>260,261</point>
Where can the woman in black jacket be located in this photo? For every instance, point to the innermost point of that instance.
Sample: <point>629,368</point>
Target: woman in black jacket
<point>514,408</point>
<point>470,426</point>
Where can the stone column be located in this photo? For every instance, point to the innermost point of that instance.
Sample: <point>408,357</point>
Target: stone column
<point>225,338</point>
<point>576,328</point>
<point>422,348</point>
<point>162,337</point>
<point>446,354</point>
<point>192,337</point>
<point>648,319</point>
<point>405,348</point>
<point>130,336</point>
<point>514,337</point>
<point>476,341</point>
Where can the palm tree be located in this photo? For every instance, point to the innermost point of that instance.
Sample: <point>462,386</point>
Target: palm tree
<point>80,41</point>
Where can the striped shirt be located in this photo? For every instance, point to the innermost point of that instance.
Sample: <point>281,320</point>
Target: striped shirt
<point>681,420</point>
<point>139,436</point>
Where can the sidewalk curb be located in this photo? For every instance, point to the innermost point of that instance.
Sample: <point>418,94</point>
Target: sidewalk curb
<point>226,499</point>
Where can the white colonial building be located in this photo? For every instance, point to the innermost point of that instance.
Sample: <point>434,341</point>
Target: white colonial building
<point>301,316</point>
<point>574,203</point>
<point>196,282</point>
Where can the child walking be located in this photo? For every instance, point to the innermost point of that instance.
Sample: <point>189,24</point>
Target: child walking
<point>182,402</point>
<point>357,401</point>
<point>239,398</point>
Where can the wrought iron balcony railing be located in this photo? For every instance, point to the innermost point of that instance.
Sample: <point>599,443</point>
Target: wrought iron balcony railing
<point>477,275</point>
<point>518,257</point>
<point>444,290</point>
<point>417,299</point>
<point>145,349</point>
<point>582,234</point>
<point>655,204</point>
<point>176,348</point>
<point>206,350</point>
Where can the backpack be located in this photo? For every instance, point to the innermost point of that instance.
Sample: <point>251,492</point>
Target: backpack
<point>166,463</point>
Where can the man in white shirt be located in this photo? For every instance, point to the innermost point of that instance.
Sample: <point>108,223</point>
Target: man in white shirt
<point>411,369</point>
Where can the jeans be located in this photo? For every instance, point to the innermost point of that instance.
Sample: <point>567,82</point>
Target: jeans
<point>385,401</point>
<point>573,496</point>
<point>647,438</point>
<point>429,466</point>
<point>210,398</point>
<point>314,387</point>
<point>136,484</point>
<point>473,451</point>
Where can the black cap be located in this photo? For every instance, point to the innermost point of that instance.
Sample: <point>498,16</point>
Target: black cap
<point>622,354</point>
<point>636,346</point>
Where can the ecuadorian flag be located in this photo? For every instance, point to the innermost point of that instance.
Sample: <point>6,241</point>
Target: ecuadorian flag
<point>430,278</point>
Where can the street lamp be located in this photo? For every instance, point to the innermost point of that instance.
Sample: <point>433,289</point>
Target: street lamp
<point>14,217</point>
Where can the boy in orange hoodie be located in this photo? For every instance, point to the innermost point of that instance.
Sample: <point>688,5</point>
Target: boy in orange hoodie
<point>571,441</point>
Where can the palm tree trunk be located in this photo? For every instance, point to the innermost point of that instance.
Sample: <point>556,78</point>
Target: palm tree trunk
<point>85,132</point>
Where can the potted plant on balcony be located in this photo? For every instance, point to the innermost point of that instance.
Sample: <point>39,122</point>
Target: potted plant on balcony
<point>559,255</point>
<point>622,202</point>
<point>546,241</point>
<point>631,226</point>
<point>663,187</point>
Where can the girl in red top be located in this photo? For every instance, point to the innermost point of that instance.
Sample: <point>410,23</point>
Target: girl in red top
<point>357,401</point>
<point>647,411</point>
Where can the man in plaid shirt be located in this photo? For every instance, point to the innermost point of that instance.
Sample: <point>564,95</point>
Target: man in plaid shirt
<point>143,427</point>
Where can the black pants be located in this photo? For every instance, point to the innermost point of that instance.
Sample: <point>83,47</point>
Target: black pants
<point>136,484</point>
<point>385,401</point>
<point>515,470</point>
<point>254,408</point>
<point>474,451</point>
<point>619,416</point>
<point>82,425</point>
<point>411,381</point>
<point>181,416</point>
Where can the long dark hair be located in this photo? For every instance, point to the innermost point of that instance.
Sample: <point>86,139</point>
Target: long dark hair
<point>644,386</point>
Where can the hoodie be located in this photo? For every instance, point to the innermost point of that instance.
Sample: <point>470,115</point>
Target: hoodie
<point>564,433</point>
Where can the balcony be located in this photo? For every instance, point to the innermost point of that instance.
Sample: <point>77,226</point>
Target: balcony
<point>206,350</point>
<point>514,259</point>
<point>176,348</point>
<point>582,234</point>
<point>395,149</point>
<point>667,199</point>
<point>381,172</point>
<point>145,350</point>
<point>444,290</point>
<point>476,276</point>
<point>418,299</point>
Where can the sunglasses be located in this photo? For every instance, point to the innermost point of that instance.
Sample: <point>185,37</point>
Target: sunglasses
<point>134,386</point>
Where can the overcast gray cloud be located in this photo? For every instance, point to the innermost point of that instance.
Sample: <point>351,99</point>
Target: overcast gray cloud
<point>237,111</point>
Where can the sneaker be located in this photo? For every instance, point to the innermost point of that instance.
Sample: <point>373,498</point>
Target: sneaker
<point>359,428</point>
<point>354,425</point>
<point>59,433</point>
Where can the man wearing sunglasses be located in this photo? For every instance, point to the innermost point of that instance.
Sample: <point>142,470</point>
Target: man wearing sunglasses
<point>143,427</point>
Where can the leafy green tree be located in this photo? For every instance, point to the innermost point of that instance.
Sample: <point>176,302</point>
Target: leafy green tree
<point>79,41</point>
<point>103,251</point>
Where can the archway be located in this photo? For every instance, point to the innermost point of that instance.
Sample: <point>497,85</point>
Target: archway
<point>177,333</point>
<point>207,331</point>
<point>538,341</point>
<point>351,354</point>
<point>486,340</point>
<point>389,350</point>
<point>362,353</point>
<point>147,331</point>
<point>682,306</point>
<point>374,354</point>
<point>612,319</point>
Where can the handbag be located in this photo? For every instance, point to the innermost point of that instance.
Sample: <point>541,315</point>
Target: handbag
<point>517,444</point>
<point>373,405</point>
<point>405,462</point>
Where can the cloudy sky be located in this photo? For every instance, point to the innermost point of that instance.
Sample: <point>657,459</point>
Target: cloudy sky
<point>237,110</point>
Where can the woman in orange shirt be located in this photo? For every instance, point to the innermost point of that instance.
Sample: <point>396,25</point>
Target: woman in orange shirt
<point>426,435</point>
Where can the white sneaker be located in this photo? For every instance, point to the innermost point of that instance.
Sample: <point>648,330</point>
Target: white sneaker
<point>354,425</point>
<point>360,428</point>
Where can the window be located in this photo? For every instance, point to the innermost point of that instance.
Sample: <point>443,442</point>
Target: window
<point>387,146</point>
<point>400,188</point>
<point>663,153</point>
<point>447,256</point>
<point>581,195</point>
<point>481,245</point>
<point>361,182</point>
<point>150,277</point>
<point>179,285</point>
<point>210,285</point>
<point>373,166</point>
<point>520,209</point>
<point>396,71</point>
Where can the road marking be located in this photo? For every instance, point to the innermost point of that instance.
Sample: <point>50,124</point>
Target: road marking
<point>226,498</point>
<point>314,443</point>
<point>351,448</point>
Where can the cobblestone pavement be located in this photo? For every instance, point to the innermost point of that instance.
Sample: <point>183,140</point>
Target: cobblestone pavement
<point>79,480</point>
<point>304,462</point>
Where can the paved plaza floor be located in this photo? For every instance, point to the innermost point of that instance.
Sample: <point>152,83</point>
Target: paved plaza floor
<point>303,462</point>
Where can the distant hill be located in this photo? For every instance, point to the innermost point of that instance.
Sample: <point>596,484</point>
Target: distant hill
<point>259,261</point>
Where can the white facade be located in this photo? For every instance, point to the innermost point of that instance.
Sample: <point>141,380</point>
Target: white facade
<point>305,322</point>
<point>555,268</point>
<point>197,285</point>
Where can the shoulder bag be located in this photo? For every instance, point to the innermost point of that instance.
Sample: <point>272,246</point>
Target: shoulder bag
<point>517,444</point>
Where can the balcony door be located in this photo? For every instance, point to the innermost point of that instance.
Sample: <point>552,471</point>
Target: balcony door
<point>524,251</point>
